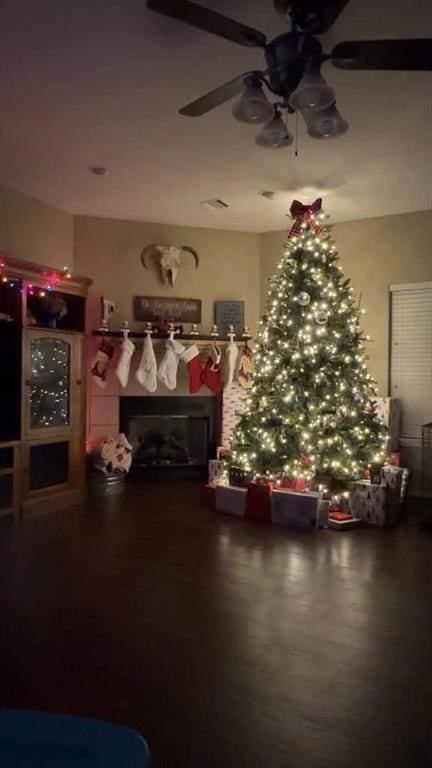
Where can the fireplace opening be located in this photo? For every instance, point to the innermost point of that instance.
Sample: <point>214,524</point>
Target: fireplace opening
<point>169,440</point>
<point>170,435</point>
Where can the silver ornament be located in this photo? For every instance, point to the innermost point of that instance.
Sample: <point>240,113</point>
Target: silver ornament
<point>303,299</point>
<point>321,317</point>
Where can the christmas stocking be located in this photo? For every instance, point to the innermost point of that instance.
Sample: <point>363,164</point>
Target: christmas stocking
<point>167,372</point>
<point>231,354</point>
<point>245,367</point>
<point>99,366</point>
<point>191,358</point>
<point>147,369</point>
<point>211,375</point>
<point>123,366</point>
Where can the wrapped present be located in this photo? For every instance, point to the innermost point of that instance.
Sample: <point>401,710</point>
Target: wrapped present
<point>388,409</point>
<point>373,504</point>
<point>295,509</point>
<point>323,513</point>
<point>230,500</point>
<point>404,484</point>
<point>217,474</point>
<point>210,495</point>
<point>339,515</point>
<point>396,478</point>
<point>258,501</point>
<point>293,483</point>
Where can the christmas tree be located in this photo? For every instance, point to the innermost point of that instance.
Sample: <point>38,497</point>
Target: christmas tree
<point>310,411</point>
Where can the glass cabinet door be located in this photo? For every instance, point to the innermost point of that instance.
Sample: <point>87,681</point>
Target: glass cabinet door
<point>48,382</point>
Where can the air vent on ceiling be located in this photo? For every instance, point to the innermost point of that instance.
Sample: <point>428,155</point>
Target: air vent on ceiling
<point>215,204</point>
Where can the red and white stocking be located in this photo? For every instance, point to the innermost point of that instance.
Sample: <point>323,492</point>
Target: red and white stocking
<point>191,358</point>
<point>245,370</point>
<point>211,375</point>
<point>99,366</point>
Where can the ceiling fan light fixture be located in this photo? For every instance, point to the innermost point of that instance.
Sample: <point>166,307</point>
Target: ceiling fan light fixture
<point>326,124</point>
<point>312,92</point>
<point>253,105</point>
<point>274,134</point>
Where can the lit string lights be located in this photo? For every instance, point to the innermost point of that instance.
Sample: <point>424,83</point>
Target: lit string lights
<point>49,280</point>
<point>310,410</point>
<point>49,391</point>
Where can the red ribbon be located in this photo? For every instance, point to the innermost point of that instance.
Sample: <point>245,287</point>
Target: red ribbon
<point>302,213</point>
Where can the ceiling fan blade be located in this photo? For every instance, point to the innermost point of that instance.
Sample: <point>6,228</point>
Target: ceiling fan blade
<point>313,16</point>
<point>209,21</point>
<point>384,54</point>
<point>214,98</point>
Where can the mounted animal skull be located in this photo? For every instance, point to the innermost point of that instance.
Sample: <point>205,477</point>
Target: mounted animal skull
<point>169,257</point>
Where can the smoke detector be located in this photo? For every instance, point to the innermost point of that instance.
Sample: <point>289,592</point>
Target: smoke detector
<point>267,193</point>
<point>98,170</point>
<point>215,204</point>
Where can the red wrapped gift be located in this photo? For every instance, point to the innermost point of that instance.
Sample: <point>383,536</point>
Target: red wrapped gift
<point>210,495</point>
<point>258,505</point>
<point>395,458</point>
<point>293,483</point>
<point>338,514</point>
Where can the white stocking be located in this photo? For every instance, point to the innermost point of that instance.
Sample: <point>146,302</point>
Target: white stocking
<point>167,372</point>
<point>231,355</point>
<point>146,372</point>
<point>123,366</point>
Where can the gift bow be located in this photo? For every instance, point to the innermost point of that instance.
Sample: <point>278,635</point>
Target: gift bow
<point>302,213</point>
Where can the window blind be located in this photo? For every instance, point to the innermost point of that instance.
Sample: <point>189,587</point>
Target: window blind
<point>411,356</point>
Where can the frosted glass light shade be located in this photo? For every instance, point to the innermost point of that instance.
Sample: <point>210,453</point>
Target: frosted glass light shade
<point>253,106</point>
<point>312,92</point>
<point>274,134</point>
<point>325,124</point>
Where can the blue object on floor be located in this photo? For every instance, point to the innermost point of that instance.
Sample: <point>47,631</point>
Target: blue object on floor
<point>41,740</point>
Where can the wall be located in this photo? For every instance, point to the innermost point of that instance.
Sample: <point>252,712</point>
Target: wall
<point>108,251</point>
<point>34,231</point>
<point>374,253</point>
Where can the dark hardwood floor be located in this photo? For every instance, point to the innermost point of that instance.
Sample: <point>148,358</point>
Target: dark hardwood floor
<point>225,643</point>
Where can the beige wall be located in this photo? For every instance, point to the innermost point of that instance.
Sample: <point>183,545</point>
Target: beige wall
<point>374,253</point>
<point>34,231</point>
<point>108,251</point>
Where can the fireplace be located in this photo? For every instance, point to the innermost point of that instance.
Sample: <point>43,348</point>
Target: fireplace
<point>171,436</point>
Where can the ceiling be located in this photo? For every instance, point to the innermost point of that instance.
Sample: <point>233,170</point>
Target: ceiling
<point>100,82</point>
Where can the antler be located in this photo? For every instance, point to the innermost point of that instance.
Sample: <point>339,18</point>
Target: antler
<point>193,252</point>
<point>149,250</point>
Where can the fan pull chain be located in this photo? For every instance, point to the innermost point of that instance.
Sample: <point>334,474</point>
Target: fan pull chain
<point>296,135</point>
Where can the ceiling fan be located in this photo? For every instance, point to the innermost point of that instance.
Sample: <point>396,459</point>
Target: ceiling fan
<point>293,66</point>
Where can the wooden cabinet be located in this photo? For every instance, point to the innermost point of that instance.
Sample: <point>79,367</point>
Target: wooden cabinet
<point>43,416</point>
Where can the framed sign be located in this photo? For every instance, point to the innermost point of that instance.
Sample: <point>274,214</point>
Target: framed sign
<point>155,308</point>
<point>228,313</point>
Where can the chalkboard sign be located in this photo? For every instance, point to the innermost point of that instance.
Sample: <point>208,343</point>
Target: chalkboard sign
<point>228,313</point>
<point>156,308</point>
